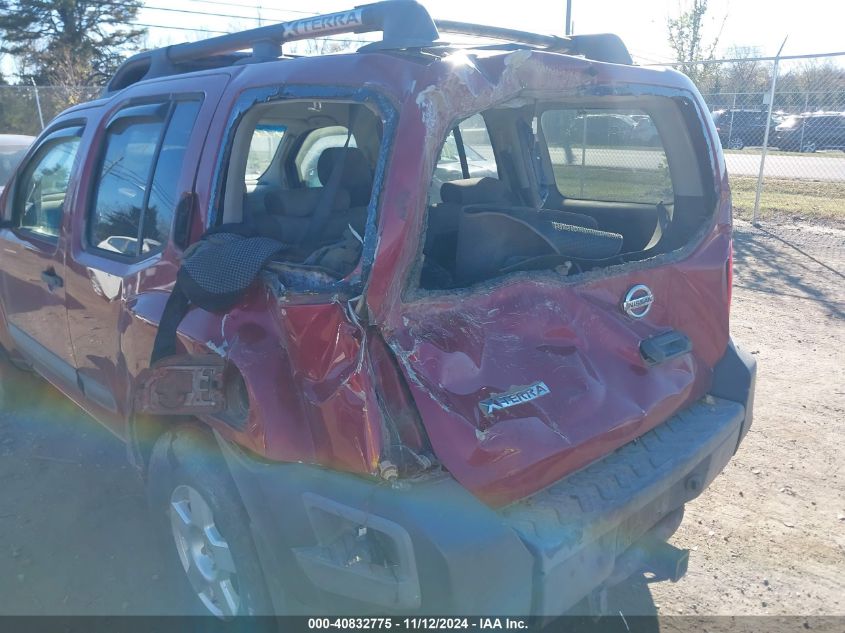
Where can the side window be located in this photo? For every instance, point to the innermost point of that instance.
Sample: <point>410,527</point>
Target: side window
<point>313,146</point>
<point>40,193</point>
<point>163,192</point>
<point>262,149</point>
<point>136,189</point>
<point>479,156</point>
<point>607,155</point>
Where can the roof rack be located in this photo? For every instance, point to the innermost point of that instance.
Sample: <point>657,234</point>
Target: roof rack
<point>604,47</point>
<point>405,24</point>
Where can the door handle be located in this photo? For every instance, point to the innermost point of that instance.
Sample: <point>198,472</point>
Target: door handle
<point>52,280</point>
<point>663,347</point>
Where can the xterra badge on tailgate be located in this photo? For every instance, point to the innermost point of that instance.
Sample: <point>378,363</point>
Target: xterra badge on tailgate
<point>517,395</point>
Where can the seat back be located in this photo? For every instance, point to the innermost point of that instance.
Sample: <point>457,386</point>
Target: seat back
<point>356,177</point>
<point>512,235</point>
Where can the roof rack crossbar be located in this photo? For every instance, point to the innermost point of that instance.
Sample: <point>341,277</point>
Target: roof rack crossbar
<point>501,33</point>
<point>604,47</point>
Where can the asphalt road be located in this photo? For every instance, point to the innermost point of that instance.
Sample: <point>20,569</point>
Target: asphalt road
<point>819,166</point>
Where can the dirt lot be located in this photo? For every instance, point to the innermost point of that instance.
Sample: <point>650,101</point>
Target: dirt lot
<point>767,538</point>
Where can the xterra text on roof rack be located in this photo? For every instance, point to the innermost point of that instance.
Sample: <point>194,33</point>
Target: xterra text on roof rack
<point>484,341</point>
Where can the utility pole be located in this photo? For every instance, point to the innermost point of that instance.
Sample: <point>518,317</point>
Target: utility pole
<point>37,102</point>
<point>568,17</point>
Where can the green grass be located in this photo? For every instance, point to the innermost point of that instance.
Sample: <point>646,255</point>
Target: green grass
<point>781,197</point>
<point>794,198</point>
<point>613,185</point>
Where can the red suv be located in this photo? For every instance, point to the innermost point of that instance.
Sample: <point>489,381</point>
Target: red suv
<point>492,398</point>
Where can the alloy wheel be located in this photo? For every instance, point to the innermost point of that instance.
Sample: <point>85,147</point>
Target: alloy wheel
<point>204,553</point>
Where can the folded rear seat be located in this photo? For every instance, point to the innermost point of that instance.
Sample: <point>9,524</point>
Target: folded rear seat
<point>514,236</point>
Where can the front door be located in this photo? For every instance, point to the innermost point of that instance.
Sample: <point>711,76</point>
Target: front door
<point>32,257</point>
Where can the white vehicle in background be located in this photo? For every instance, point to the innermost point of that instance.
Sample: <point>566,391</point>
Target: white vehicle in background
<point>12,149</point>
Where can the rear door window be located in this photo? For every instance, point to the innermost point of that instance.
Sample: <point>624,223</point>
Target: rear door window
<point>262,149</point>
<point>478,149</point>
<point>606,155</point>
<point>312,148</point>
<point>136,190</point>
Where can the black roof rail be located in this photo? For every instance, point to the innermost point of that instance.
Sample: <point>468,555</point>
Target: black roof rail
<point>603,47</point>
<point>405,24</point>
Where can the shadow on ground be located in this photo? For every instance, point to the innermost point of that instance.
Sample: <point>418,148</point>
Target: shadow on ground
<point>806,269</point>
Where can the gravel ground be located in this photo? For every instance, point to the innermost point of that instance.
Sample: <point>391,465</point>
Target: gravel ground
<point>767,538</point>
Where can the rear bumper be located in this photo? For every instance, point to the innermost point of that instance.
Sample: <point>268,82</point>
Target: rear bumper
<point>346,545</point>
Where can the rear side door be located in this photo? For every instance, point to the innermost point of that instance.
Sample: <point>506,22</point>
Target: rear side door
<point>32,255</point>
<point>141,184</point>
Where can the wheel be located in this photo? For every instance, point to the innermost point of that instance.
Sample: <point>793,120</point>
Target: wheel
<point>199,512</point>
<point>736,143</point>
<point>809,147</point>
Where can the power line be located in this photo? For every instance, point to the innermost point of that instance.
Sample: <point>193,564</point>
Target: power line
<point>179,28</point>
<point>208,13</point>
<point>254,6</point>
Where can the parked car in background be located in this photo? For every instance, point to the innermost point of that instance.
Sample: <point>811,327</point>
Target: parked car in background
<point>602,129</point>
<point>644,132</point>
<point>811,132</point>
<point>741,128</point>
<point>449,166</point>
<point>12,149</point>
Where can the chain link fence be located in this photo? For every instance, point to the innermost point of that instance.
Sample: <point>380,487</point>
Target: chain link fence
<point>781,123</point>
<point>26,109</point>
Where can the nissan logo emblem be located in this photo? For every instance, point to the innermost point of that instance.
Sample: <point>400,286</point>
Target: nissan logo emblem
<point>638,301</point>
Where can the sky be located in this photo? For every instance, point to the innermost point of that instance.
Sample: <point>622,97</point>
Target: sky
<point>812,26</point>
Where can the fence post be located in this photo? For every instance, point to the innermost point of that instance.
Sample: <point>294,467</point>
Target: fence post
<point>803,120</point>
<point>731,126</point>
<point>766,135</point>
<point>37,103</point>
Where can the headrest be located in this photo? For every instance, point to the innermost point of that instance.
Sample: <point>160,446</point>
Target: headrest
<point>302,202</point>
<point>474,191</point>
<point>356,169</point>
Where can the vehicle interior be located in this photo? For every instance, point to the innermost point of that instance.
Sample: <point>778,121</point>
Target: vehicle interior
<point>302,172</point>
<point>569,186</point>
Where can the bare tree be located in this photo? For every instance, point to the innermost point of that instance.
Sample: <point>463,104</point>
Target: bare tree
<point>324,46</point>
<point>686,34</point>
<point>749,75</point>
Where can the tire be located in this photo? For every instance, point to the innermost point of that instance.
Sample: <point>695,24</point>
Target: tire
<point>809,147</point>
<point>736,143</point>
<point>202,520</point>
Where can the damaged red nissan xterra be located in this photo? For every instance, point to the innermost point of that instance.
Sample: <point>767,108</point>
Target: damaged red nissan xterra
<point>488,361</point>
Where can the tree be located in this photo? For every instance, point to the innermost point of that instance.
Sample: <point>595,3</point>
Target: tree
<point>47,35</point>
<point>687,40</point>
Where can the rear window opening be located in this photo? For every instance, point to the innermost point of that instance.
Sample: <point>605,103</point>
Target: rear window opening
<point>302,172</point>
<point>569,186</point>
